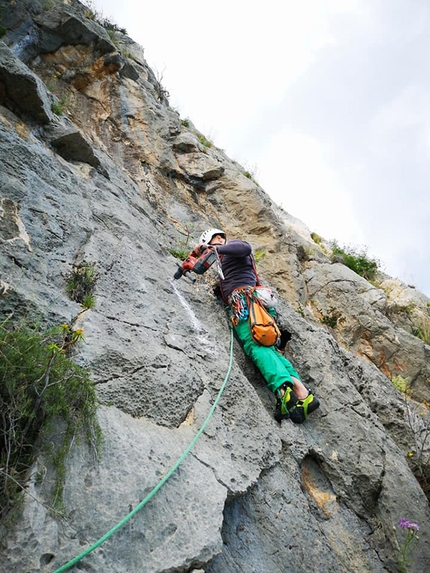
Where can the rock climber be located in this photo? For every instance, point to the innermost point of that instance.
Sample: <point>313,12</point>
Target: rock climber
<point>294,400</point>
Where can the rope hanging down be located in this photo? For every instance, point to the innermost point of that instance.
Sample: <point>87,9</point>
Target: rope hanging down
<point>120,524</point>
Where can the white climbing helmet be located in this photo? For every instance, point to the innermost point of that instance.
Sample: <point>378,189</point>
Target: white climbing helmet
<point>207,236</point>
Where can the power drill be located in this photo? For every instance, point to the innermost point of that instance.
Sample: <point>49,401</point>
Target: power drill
<point>197,264</point>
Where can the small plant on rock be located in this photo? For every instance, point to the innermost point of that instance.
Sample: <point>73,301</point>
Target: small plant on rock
<point>112,27</point>
<point>181,249</point>
<point>401,384</point>
<point>358,261</point>
<point>88,302</point>
<point>63,100</point>
<point>53,82</point>
<point>60,106</point>
<point>160,91</point>
<point>259,255</point>
<point>91,13</point>
<point>332,317</point>
<point>300,309</point>
<point>422,331</point>
<point>407,540</point>
<point>81,283</point>
<point>204,141</point>
<point>114,36</point>
<point>179,252</point>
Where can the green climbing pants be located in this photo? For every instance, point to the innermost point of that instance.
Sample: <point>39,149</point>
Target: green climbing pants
<point>274,367</point>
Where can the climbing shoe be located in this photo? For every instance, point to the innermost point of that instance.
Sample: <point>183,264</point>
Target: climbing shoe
<point>303,408</point>
<point>285,403</point>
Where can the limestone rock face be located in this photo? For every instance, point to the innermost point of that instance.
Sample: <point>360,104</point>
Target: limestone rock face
<point>120,181</point>
<point>363,322</point>
<point>21,89</point>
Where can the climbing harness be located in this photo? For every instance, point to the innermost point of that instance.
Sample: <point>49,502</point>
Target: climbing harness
<point>163,480</point>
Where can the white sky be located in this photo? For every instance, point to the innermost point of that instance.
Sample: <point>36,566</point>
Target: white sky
<point>326,102</point>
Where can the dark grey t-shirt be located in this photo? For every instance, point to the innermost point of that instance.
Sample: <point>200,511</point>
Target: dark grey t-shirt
<point>237,266</point>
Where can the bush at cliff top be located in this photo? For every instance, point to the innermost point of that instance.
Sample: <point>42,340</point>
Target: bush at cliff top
<point>358,261</point>
<point>39,384</point>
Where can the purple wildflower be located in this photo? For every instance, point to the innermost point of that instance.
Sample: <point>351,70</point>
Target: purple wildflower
<point>405,524</point>
<point>408,543</point>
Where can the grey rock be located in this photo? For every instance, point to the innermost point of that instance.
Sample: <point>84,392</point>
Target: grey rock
<point>64,24</point>
<point>186,143</point>
<point>200,166</point>
<point>129,71</point>
<point>364,325</point>
<point>251,495</point>
<point>72,145</point>
<point>134,51</point>
<point>23,92</point>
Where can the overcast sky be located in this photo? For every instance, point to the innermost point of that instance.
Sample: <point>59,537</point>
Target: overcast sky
<point>326,102</point>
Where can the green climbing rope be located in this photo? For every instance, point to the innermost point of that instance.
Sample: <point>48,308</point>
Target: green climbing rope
<point>120,524</point>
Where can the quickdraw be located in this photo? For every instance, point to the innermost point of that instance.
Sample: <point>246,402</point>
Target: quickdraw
<point>238,301</point>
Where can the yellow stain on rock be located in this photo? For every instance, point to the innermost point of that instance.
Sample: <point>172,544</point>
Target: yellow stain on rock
<point>325,500</point>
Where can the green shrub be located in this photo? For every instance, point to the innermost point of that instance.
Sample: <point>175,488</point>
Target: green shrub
<point>204,141</point>
<point>259,255</point>
<point>179,252</point>
<point>358,261</point>
<point>39,384</point>
<point>89,301</point>
<point>401,384</point>
<point>251,175</point>
<point>60,106</point>
<point>81,284</point>
<point>331,318</point>
<point>316,238</point>
<point>181,249</point>
<point>185,122</point>
<point>63,99</point>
